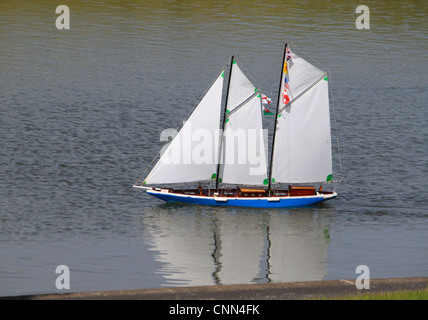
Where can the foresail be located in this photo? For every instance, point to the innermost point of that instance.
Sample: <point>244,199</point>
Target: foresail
<point>192,155</point>
<point>302,149</point>
<point>243,155</point>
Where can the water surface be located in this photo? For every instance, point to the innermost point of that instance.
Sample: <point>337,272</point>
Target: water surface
<point>81,112</point>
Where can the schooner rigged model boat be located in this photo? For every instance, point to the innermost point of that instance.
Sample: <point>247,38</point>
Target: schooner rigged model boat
<point>225,147</point>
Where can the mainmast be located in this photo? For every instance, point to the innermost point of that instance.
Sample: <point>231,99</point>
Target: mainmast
<point>222,125</point>
<point>276,121</point>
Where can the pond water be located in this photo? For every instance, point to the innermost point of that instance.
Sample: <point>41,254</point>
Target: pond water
<point>81,112</point>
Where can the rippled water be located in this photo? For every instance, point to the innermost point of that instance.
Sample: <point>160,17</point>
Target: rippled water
<point>81,111</point>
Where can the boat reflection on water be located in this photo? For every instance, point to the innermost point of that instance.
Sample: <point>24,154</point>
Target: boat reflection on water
<point>198,245</point>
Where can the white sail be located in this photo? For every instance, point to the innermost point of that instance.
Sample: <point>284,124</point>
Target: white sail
<point>301,75</point>
<point>240,88</point>
<point>192,155</point>
<point>302,150</point>
<point>243,156</point>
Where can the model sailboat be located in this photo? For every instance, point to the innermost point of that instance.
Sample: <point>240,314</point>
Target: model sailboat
<point>224,148</point>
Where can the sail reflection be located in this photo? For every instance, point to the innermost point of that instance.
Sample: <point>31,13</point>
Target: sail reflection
<point>206,246</point>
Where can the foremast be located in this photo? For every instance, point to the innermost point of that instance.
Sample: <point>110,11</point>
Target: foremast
<point>276,120</point>
<point>222,123</point>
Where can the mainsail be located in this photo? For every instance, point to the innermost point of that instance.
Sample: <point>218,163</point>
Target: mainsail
<point>302,146</point>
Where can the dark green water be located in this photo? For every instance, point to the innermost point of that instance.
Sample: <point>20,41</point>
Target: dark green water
<point>81,112</point>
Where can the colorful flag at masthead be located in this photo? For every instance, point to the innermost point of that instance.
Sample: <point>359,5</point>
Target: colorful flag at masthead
<point>285,97</point>
<point>288,54</point>
<point>285,70</point>
<point>286,83</point>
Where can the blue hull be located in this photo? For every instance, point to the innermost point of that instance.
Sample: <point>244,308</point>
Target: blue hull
<point>284,202</point>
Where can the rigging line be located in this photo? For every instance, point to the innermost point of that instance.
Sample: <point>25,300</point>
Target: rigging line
<point>239,106</point>
<point>312,58</point>
<point>205,92</point>
<point>303,92</point>
<point>337,136</point>
<point>249,75</point>
<point>186,117</point>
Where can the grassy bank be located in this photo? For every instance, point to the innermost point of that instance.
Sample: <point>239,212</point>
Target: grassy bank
<point>393,295</point>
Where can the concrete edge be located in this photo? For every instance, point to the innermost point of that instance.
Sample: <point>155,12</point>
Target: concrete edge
<point>271,291</point>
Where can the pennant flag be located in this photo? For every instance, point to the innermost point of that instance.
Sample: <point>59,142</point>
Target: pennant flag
<point>287,57</point>
<point>266,99</point>
<point>286,83</point>
<point>285,68</point>
<point>285,97</point>
<point>266,111</point>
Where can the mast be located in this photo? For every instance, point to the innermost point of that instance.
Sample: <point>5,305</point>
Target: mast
<point>276,121</point>
<point>222,125</point>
